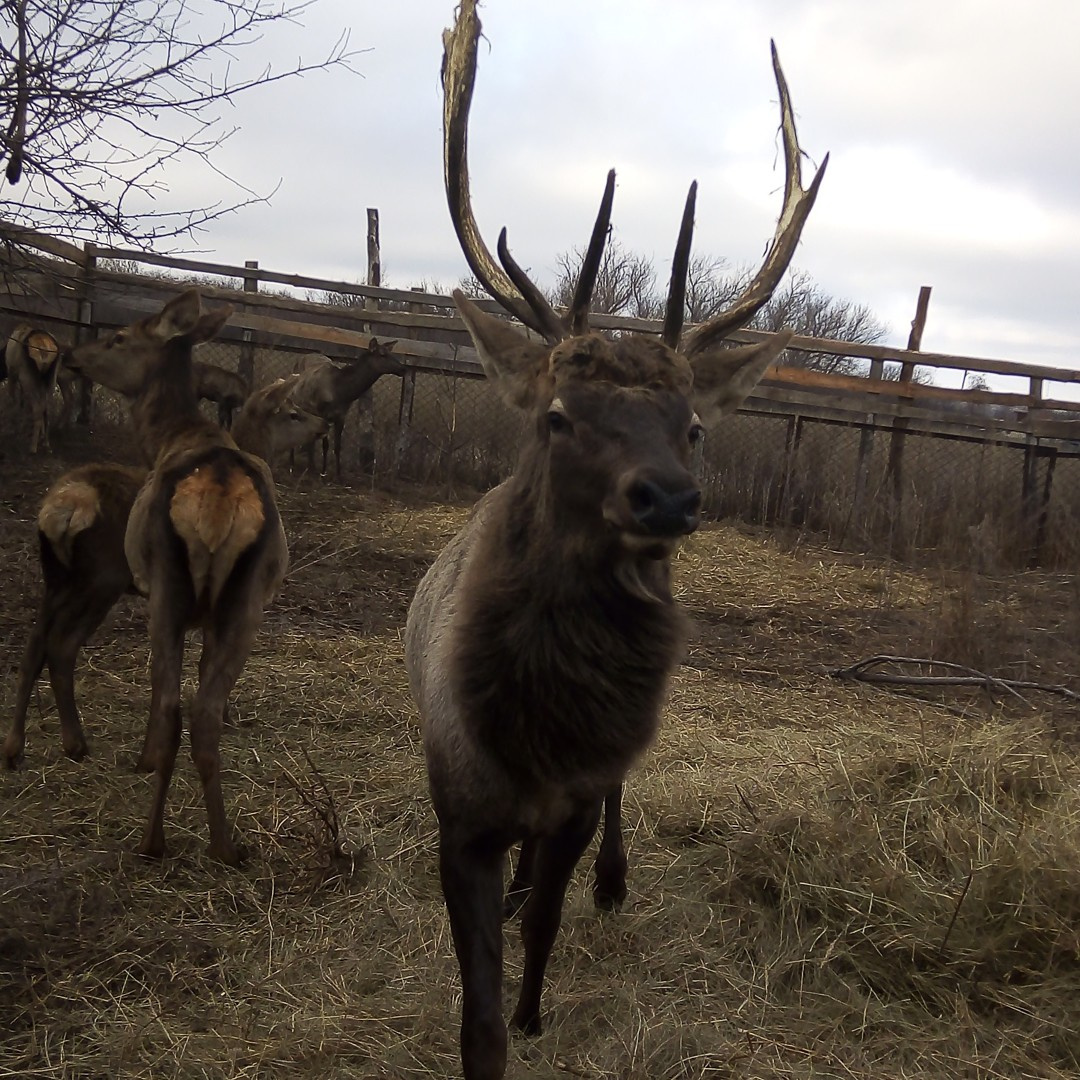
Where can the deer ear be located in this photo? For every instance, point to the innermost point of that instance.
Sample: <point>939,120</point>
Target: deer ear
<point>724,378</point>
<point>210,323</point>
<point>276,394</point>
<point>178,317</point>
<point>513,362</point>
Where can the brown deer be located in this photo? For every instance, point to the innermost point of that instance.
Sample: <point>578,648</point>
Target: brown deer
<point>203,541</point>
<point>540,643</point>
<point>81,527</point>
<point>33,361</point>
<point>328,388</point>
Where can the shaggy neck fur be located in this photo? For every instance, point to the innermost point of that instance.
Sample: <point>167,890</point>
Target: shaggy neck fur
<point>567,641</point>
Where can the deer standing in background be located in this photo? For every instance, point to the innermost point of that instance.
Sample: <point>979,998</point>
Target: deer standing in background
<point>203,541</point>
<point>328,388</point>
<point>33,361</point>
<point>81,527</point>
<point>540,643</point>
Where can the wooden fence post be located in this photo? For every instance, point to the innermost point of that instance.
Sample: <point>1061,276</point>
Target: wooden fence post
<point>365,404</point>
<point>862,465</point>
<point>245,367</point>
<point>792,440</point>
<point>85,315</point>
<point>405,413</point>
<point>894,471</point>
<point>374,257</point>
<point>1035,504</point>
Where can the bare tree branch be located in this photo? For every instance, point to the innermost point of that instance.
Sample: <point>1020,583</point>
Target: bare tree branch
<point>99,99</point>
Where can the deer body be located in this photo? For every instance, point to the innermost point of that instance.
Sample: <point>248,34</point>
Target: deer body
<point>204,540</point>
<point>328,389</point>
<point>541,641</point>
<point>82,525</point>
<point>33,361</point>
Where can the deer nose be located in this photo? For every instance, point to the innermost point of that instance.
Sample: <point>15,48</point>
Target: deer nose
<point>664,513</point>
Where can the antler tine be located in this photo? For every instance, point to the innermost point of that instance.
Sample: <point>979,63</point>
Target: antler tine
<point>548,323</point>
<point>680,267</point>
<point>578,315</point>
<point>797,205</point>
<point>458,77</point>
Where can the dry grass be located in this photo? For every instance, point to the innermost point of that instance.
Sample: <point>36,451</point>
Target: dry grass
<point>827,880</point>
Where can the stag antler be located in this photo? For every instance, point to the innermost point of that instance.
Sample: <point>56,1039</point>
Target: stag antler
<point>512,289</point>
<point>797,205</point>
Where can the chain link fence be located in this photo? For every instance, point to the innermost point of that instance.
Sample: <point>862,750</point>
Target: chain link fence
<point>950,500</point>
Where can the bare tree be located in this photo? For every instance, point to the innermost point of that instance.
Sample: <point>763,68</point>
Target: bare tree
<point>627,285</point>
<point>801,305</point>
<point>100,97</point>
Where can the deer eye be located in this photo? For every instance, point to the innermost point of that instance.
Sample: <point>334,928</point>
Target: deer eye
<point>119,337</point>
<point>694,435</point>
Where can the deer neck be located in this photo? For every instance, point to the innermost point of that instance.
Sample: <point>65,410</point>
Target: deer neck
<point>166,411</point>
<point>565,646</point>
<point>354,381</point>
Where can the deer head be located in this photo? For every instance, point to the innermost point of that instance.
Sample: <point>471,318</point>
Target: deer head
<point>126,358</point>
<point>615,419</point>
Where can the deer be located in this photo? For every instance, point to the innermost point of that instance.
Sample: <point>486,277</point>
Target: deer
<point>81,526</point>
<point>225,388</point>
<point>541,641</point>
<point>329,388</point>
<point>33,361</point>
<point>203,541</point>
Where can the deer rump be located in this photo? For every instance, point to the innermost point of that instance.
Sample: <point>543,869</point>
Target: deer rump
<point>218,505</point>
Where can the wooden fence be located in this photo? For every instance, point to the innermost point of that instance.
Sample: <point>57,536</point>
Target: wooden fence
<point>85,288</point>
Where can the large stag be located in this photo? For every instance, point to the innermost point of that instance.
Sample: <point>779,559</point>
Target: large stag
<point>329,389</point>
<point>541,641</point>
<point>204,542</point>
<point>81,527</point>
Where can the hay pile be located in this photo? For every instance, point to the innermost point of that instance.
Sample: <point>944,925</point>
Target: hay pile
<point>827,880</point>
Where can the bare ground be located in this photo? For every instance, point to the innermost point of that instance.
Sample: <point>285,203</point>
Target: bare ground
<point>827,879</point>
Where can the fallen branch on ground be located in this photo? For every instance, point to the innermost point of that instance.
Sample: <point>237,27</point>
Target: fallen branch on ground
<point>959,675</point>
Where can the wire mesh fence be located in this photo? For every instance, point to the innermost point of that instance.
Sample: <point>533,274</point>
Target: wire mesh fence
<point>961,502</point>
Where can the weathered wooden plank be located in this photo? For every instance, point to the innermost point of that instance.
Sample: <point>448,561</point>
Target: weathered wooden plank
<point>39,241</point>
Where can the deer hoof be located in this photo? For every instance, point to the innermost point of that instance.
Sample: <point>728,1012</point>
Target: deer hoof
<point>609,897</point>
<point>528,1025</point>
<point>229,852</point>
<point>77,750</point>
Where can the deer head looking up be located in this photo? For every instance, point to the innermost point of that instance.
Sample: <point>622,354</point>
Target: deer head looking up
<point>541,641</point>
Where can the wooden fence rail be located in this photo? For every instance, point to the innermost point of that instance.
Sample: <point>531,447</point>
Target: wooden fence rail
<point>93,286</point>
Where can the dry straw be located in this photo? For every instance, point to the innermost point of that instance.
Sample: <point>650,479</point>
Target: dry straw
<point>827,880</point>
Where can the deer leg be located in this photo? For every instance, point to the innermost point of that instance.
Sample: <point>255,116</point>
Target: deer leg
<point>338,429</point>
<point>227,641</point>
<point>471,872</point>
<point>76,617</point>
<point>609,888</point>
<point>164,726</point>
<point>522,881</point>
<point>556,857</point>
<point>33,660</point>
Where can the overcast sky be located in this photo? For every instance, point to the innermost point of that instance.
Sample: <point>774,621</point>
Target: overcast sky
<point>952,127</point>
